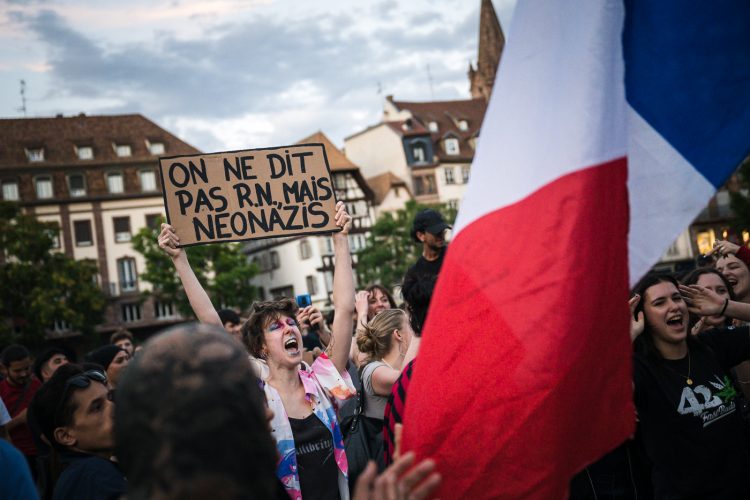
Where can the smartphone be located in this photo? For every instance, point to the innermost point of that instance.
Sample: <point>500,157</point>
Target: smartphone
<point>304,301</point>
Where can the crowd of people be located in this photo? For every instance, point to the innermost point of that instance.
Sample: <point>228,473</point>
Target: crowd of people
<point>287,402</point>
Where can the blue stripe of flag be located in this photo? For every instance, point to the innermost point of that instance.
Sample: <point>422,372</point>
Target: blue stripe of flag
<point>687,73</point>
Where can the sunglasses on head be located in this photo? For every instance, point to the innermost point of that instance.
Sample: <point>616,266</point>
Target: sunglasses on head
<point>80,381</point>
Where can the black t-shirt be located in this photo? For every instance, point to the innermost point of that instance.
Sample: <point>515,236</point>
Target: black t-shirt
<point>88,477</point>
<point>693,433</point>
<point>424,267</point>
<point>318,472</point>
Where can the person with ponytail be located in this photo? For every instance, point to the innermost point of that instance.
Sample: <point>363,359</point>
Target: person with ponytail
<point>384,341</point>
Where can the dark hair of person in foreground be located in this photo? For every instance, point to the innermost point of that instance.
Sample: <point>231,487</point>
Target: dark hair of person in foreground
<point>190,421</point>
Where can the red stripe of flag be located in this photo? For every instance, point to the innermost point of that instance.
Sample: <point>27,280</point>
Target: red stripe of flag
<point>523,375</point>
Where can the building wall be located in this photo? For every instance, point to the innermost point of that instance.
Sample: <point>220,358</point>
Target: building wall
<point>377,151</point>
<point>451,193</point>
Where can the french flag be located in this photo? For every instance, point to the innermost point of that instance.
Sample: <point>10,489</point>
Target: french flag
<point>611,125</point>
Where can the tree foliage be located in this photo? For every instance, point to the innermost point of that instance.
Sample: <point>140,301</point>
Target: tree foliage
<point>222,269</point>
<point>40,286</point>
<point>390,249</point>
<point>740,200</point>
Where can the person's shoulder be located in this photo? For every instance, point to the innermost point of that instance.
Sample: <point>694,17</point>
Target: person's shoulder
<point>90,477</point>
<point>9,453</point>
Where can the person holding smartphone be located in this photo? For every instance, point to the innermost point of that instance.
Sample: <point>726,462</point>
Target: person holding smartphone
<point>303,398</point>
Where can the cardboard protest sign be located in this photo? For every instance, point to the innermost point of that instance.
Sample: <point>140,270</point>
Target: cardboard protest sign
<point>250,194</point>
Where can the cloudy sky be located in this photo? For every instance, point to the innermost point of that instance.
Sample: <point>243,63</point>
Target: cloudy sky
<point>233,74</point>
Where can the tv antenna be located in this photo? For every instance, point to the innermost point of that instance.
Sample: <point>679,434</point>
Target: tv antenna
<point>23,98</point>
<point>429,79</point>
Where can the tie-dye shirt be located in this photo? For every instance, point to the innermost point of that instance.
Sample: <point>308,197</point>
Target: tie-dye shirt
<point>323,386</point>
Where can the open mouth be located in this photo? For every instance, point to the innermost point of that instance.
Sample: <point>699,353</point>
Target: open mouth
<point>291,345</point>
<point>732,281</point>
<point>675,321</point>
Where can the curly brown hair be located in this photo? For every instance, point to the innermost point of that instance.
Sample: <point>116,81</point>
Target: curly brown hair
<point>261,315</point>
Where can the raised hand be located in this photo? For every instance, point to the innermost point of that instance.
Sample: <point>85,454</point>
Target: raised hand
<point>168,241</point>
<point>401,480</point>
<point>362,303</point>
<point>636,323</point>
<point>702,300</point>
<point>342,218</point>
<point>724,247</point>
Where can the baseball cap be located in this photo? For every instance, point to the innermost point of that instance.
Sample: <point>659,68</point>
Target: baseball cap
<point>429,221</point>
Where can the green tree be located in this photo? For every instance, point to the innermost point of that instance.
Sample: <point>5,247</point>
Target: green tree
<point>390,249</point>
<point>739,200</point>
<point>222,269</point>
<point>40,286</point>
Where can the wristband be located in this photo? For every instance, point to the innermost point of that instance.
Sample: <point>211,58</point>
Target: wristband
<point>724,309</point>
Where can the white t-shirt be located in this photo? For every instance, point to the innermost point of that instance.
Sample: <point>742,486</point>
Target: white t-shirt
<point>4,415</point>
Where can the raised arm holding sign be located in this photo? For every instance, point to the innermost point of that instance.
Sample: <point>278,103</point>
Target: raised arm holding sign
<point>271,333</point>
<point>250,194</point>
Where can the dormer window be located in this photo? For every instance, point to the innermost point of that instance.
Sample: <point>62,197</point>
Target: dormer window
<point>407,125</point>
<point>155,148</point>
<point>85,152</point>
<point>451,146</point>
<point>418,153</point>
<point>433,126</point>
<point>123,150</point>
<point>35,154</point>
<point>463,125</point>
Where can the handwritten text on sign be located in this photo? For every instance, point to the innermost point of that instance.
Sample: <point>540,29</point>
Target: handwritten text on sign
<point>249,194</point>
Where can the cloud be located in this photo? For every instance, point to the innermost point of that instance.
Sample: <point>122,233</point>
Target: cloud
<point>264,76</point>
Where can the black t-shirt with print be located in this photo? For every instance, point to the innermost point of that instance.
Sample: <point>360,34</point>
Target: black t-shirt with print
<point>318,472</point>
<point>693,433</point>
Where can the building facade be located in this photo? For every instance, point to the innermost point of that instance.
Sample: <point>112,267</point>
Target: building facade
<point>428,147</point>
<point>304,264</point>
<point>97,177</point>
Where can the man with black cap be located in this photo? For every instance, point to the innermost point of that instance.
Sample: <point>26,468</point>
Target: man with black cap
<point>49,361</point>
<point>429,229</point>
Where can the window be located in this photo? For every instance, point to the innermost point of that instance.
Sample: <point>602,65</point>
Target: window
<point>419,153</point>
<point>77,185</point>
<point>114,183</point>
<point>85,152</point>
<point>304,249</point>
<point>357,242</point>
<point>465,173</point>
<point>54,235</point>
<point>127,274</point>
<point>131,312</point>
<point>275,263</point>
<point>10,191</point>
<point>312,285</point>
<point>82,232</point>
<point>284,291</point>
<point>463,125</point>
<point>451,146</point>
<point>453,204</point>
<point>433,126</point>
<point>153,221</point>
<point>449,179</point>
<point>35,154</point>
<point>424,184</point>
<point>339,181</point>
<point>148,180</point>
<point>43,187</point>
<point>123,150</point>
<point>60,326</point>
<point>156,148</point>
<point>122,228</point>
<point>326,245</point>
<point>164,310</point>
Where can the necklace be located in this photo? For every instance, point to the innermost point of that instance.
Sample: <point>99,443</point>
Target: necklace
<point>687,378</point>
